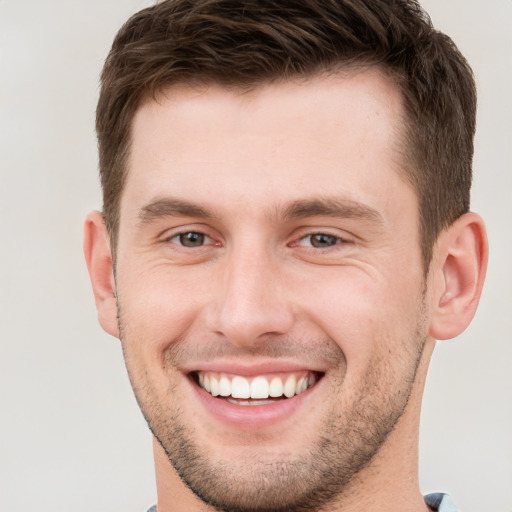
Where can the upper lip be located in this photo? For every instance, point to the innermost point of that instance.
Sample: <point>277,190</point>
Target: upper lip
<point>251,369</point>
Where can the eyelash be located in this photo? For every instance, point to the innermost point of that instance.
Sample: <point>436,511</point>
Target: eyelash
<point>336,240</point>
<point>180,236</point>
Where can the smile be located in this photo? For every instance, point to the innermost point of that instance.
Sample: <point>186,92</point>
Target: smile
<point>257,390</point>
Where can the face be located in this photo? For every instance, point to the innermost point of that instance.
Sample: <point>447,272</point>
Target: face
<point>270,286</point>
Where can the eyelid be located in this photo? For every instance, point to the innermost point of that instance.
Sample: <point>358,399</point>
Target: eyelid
<point>338,244</point>
<point>309,235</point>
<point>177,235</point>
<point>304,233</point>
<point>167,235</point>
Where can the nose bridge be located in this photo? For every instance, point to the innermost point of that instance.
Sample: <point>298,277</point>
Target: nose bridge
<point>251,303</point>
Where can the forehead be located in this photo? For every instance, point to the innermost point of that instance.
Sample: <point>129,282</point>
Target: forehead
<point>338,133</point>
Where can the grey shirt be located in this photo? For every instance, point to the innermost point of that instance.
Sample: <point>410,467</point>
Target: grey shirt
<point>436,501</point>
<point>440,502</point>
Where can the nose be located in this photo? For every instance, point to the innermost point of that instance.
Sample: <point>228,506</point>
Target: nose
<point>252,302</point>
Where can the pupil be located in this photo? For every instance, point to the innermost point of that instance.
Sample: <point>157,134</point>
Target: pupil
<point>192,239</point>
<point>323,240</point>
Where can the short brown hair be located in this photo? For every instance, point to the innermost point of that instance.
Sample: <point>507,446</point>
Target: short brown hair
<point>245,43</point>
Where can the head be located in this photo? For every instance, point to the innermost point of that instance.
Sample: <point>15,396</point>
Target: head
<point>285,204</point>
<point>248,44</point>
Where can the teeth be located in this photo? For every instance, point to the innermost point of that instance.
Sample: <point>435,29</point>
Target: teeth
<point>224,387</point>
<point>206,383</point>
<point>255,391</point>
<point>302,385</point>
<point>214,384</point>
<point>276,387</point>
<point>240,388</point>
<point>259,388</point>
<point>249,402</point>
<point>290,386</point>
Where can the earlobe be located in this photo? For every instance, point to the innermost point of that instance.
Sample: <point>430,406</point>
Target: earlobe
<point>459,265</point>
<point>98,257</point>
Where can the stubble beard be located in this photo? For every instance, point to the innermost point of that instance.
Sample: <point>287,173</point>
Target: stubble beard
<point>349,441</point>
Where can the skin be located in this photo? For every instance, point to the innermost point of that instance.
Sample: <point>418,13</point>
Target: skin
<point>260,174</point>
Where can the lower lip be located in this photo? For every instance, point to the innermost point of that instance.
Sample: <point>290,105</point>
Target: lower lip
<point>252,416</point>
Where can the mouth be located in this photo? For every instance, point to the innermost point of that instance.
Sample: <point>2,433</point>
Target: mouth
<point>257,390</point>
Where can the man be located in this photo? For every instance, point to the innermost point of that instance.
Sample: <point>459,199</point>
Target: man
<point>285,234</point>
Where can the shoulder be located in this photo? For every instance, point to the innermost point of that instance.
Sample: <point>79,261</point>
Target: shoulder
<point>438,501</point>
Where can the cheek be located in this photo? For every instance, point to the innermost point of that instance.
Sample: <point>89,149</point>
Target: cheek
<point>158,306</point>
<point>368,316</point>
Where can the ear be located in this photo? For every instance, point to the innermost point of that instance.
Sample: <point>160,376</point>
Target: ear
<point>459,264</point>
<point>98,257</point>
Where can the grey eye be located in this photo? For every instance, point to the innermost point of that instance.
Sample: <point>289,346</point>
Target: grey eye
<point>191,239</point>
<point>322,241</point>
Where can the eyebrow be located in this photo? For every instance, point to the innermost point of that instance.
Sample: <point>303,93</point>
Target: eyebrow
<point>328,207</point>
<point>170,207</point>
<point>332,207</point>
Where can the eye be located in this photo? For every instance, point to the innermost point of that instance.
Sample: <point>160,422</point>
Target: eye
<point>320,240</point>
<point>191,239</point>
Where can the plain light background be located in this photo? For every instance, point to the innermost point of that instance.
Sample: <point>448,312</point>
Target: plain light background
<point>71,435</point>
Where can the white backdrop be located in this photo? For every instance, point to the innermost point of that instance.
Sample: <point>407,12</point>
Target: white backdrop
<point>71,435</point>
